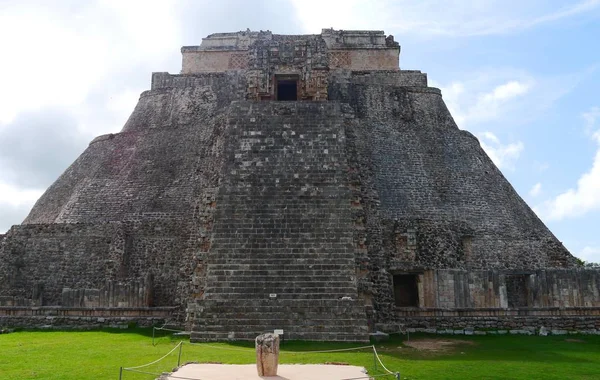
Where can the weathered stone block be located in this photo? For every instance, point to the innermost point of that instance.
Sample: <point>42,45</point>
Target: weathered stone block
<point>267,354</point>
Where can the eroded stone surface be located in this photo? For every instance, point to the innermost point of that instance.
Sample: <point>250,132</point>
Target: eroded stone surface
<point>267,354</point>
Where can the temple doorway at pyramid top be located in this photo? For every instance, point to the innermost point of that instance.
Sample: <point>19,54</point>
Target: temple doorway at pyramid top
<point>264,57</point>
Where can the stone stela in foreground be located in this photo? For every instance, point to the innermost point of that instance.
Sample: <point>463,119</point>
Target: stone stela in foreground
<point>296,182</point>
<point>267,354</point>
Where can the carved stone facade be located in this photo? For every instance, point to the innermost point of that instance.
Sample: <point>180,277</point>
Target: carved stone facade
<point>266,58</point>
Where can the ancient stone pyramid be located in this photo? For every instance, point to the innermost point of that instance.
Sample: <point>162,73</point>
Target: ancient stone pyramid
<point>301,182</point>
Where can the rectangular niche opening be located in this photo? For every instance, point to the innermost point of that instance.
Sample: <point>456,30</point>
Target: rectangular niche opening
<point>287,88</point>
<point>406,291</point>
<point>517,290</point>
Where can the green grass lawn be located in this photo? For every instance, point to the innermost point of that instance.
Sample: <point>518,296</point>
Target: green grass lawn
<point>99,354</point>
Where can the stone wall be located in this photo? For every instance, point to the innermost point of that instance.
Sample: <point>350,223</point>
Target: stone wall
<point>398,78</point>
<point>364,59</point>
<point>263,58</point>
<point>335,49</point>
<point>228,86</point>
<point>114,294</point>
<point>198,61</point>
<point>82,318</point>
<point>563,288</point>
<point>557,299</point>
<point>431,197</point>
<point>40,261</point>
<point>521,321</point>
<point>161,167</point>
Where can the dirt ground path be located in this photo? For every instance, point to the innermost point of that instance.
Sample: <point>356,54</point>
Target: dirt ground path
<point>284,372</point>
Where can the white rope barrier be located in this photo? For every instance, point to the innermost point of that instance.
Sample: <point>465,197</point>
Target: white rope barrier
<point>156,361</point>
<point>370,376</point>
<point>249,350</point>
<point>252,351</point>
<point>144,372</point>
<point>160,374</point>
<point>380,362</point>
<point>164,329</point>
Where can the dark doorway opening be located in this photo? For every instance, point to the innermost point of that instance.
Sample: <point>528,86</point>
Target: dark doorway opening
<point>406,291</point>
<point>287,89</point>
<point>517,290</point>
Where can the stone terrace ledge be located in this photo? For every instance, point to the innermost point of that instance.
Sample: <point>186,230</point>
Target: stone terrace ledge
<point>58,311</point>
<point>497,312</point>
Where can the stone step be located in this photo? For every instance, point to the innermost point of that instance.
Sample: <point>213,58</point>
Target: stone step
<point>291,278</point>
<point>279,303</point>
<point>281,292</point>
<point>295,267</point>
<point>284,293</point>
<point>337,336</point>
<point>283,267</point>
<point>235,249</point>
<point>214,322</point>
<point>283,287</point>
<point>266,256</point>
<point>344,261</point>
<point>277,318</point>
<point>278,313</point>
<point>281,275</point>
<point>340,275</point>
<point>352,327</point>
<point>261,243</point>
<point>291,307</point>
<point>272,237</point>
<point>215,294</point>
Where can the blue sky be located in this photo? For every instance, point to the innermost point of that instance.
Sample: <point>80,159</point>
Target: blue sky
<point>522,76</point>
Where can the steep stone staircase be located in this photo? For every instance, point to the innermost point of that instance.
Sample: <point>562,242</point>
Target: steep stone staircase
<point>283,253</point>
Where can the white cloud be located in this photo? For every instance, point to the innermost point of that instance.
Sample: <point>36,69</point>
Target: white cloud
<point>590,254</point>
<point>15,204</point>
<point>490,105</point>
<point>487,96</point>
<point>541,166</point>
<point>579,200</point>
<point>452,18</point>
<point>590,119</point>
<point>503,155</point>
<point>63,56</point>
<point>497,98</point>
<point>13,196</point>
<point>585,197</point>
<point>578,8</point>
<point>536,190</point>
<point>507,91</point>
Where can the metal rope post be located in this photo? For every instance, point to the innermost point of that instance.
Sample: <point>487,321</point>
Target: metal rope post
<point>153,329</point>
<point>179,358</point>
<point>397,375</point>
<point>374,358</point>
<point>121,373</point>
